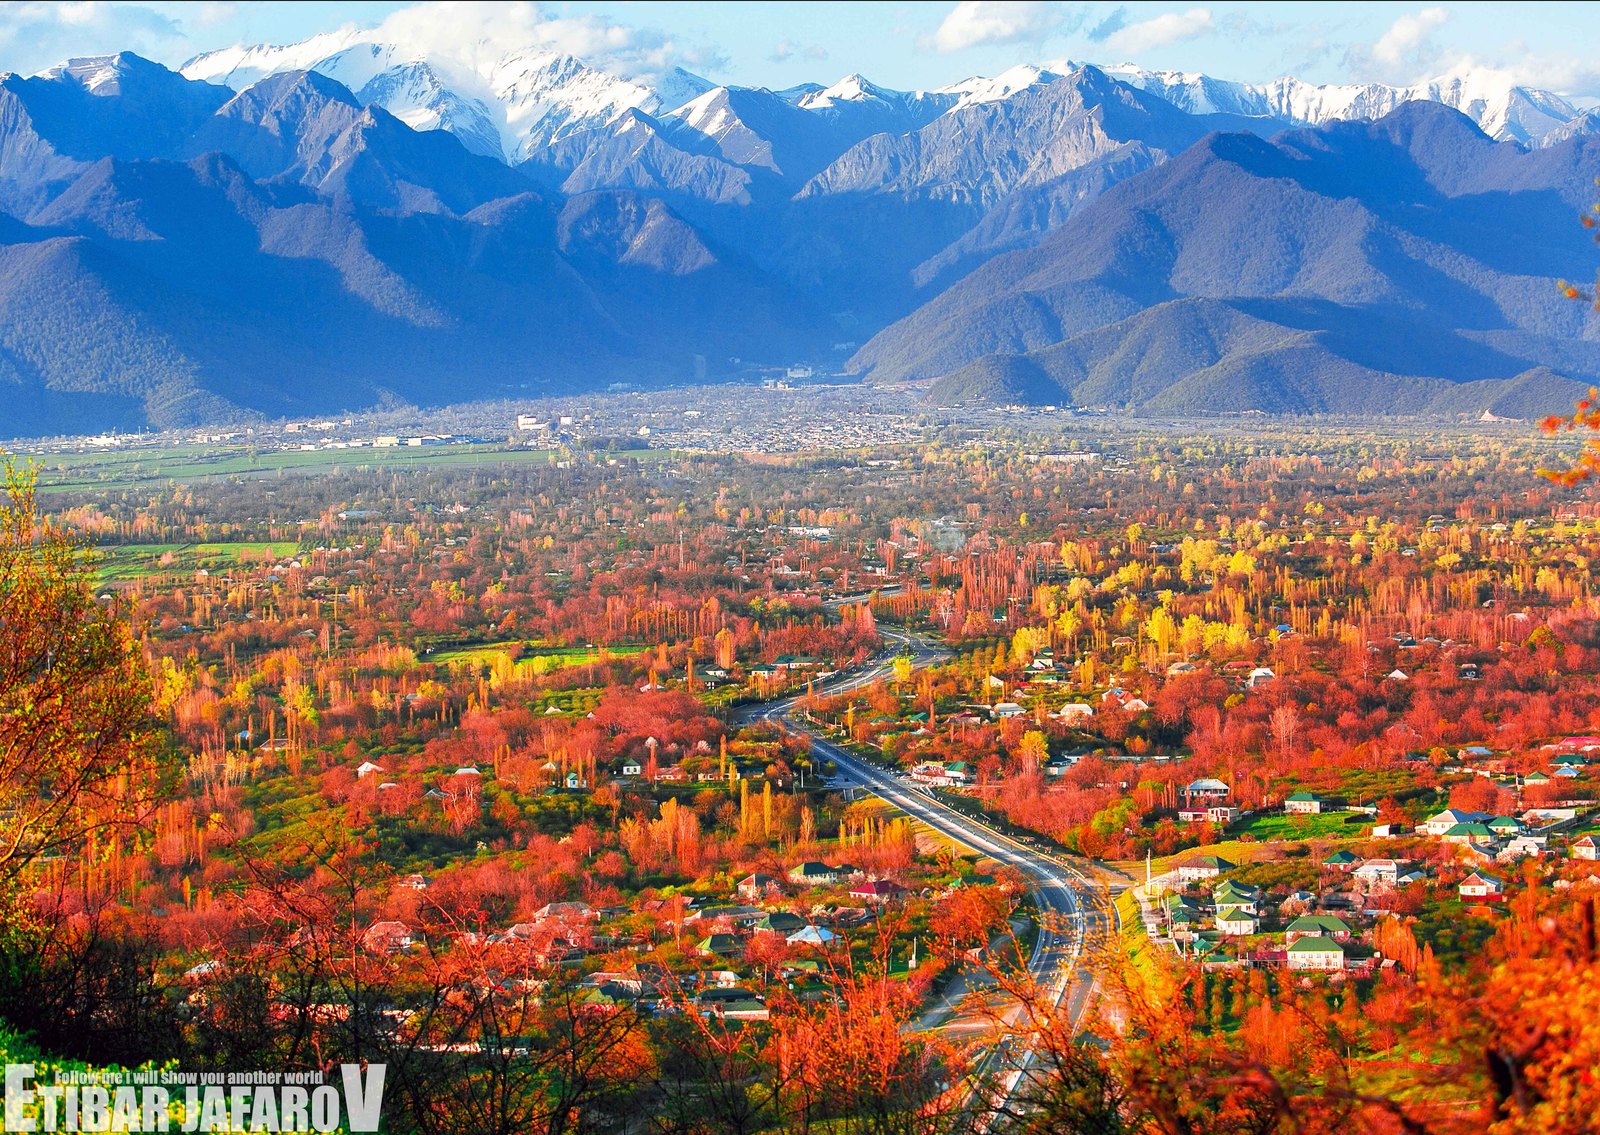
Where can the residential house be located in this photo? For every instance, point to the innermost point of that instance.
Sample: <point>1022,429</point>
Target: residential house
<point>1205,789</point>
<point>1524,847</point>
<point>1318,926</point>
<point>754,888</point>
<point>1204,802</point>
<point>812,874</point>
<point>780,922</point>
<point>1542,817</point>
<point>1468,833</point>
<point>726,917</point>
<point>1303,804</point>
<point>1297,903</point>
<point>1203,867</point>
<point>1481,887</point>
<point>819,936</point>
<point>1241,895</point>
<point>387,938</point>
<point>1220,814</point>
<point>1343,860</point>
<point>721,945</point>
<point>716,991</point>
<point>930,772</point>
<point>1314,953</point>
<point>878,891</point>
<point>1585,848</point>
<point>1379,873</point>
<point>1449,818</point>
<point>570,911</point>
<point>1236,922</point>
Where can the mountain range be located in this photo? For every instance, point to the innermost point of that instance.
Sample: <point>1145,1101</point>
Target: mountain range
<point>1345,268</point>
<point>343,223</point>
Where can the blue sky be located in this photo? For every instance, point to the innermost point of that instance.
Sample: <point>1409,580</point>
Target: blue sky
<point>899,44</point>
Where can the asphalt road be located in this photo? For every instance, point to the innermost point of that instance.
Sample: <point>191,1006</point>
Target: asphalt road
<point>1077,909</point>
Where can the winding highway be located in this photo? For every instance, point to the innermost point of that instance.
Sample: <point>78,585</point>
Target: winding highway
<point>1076,909</point>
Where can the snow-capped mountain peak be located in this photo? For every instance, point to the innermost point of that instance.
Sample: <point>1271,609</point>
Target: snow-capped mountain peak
<point>518,105</point>
<point>709,113</point>
<point>508,107</point>
<point>980,89</point>
<point>93,73</point>
<point>851,88</point>
<point>106,75</point>
<point>1502,108</point>
<point>244,65</point>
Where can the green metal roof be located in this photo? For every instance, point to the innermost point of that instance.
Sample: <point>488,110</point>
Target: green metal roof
<point>1316,946</point>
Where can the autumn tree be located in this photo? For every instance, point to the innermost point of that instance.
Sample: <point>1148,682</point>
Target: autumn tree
<point>77,774</point>
<point>75,754</point>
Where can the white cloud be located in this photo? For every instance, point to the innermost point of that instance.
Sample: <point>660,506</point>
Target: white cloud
<point>1409,40</point>
<point>786,50</point>
<point>479,33</point>
<point>214,12</point>
<point>974,23</point>
<point>1168,28</point>
<point>36,35</point>
<point>1565,75</point>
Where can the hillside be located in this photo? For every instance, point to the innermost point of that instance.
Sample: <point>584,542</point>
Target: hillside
<point>1355,267</point>
<point>339,224</point>
<point>174,255</point>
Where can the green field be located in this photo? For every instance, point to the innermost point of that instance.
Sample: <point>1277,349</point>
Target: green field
<point>1328,824</point>
<point>534,660</point>
<point>125,468</point>
<point>120,563</point>
<point>1234,851</point>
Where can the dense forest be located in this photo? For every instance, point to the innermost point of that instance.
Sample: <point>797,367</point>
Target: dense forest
<point>460,770</point>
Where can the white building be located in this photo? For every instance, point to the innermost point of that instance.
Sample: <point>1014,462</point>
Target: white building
<point>1236,922</point>
<point>1449,818</point>
<point>1315,954</point>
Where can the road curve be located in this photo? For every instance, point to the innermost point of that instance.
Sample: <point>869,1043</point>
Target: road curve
<point>1076,908</point>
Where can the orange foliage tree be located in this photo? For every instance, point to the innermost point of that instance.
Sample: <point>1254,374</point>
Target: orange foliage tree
<point>76,759</point>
